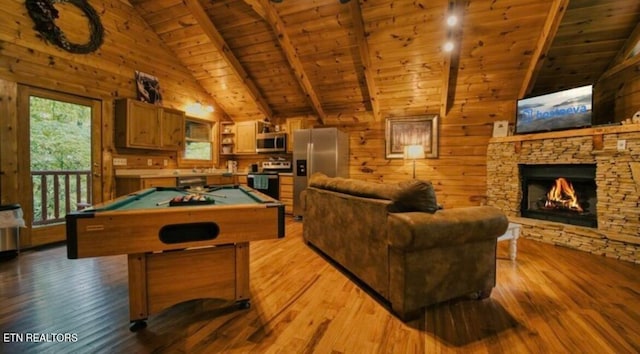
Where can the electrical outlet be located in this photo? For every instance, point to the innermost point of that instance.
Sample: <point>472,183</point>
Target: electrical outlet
<point>622,144</point>
<point>149,162</point>
<point>165,162</point>
<point>119,162</point>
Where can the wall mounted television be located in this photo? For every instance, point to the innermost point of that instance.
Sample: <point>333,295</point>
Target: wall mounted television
<point>555,111</point>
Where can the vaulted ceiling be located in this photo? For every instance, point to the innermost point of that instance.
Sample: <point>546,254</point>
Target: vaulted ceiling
<point>353,61</point>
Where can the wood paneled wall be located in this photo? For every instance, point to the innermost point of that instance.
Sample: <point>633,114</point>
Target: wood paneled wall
<point>618,97</point>
<point>482,94</point>
<point>106,74</point>
<point>8,142</point>
<point>458,174</point>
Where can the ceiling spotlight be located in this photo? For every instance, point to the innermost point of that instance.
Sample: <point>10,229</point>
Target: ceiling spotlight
<point>452,20</point>
<point>448,46</point>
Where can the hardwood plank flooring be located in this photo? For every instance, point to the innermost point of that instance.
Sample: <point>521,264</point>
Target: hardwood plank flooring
<point>550,300</point>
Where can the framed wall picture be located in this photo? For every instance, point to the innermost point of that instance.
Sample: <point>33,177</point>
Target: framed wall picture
<point>500,128</point>
<point>420,130</point>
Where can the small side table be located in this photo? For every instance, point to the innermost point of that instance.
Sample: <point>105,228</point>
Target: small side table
<point>512,234</point>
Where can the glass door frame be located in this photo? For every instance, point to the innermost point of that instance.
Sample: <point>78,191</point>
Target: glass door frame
<point>34,236</point>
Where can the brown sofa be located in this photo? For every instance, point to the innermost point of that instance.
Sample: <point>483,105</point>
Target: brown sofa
<point>394,238</point>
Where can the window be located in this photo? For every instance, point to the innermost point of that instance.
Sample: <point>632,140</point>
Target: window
<point>198,143</point>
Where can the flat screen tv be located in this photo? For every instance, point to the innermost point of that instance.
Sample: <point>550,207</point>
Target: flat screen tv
<point>555,111</point>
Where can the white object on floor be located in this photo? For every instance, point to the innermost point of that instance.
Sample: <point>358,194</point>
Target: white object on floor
<point>512,234</point>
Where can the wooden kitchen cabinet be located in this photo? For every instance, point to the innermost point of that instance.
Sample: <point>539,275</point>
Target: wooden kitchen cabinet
<point>220,180</point>
<point>126,185</point>
<point>286,193</point>
<point>241,179</point>
<point>173,125</point>
<point>142,125</point>
<point>245,137</point>
<point>294,124</point>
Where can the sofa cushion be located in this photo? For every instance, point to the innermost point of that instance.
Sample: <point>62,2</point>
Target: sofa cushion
<point>406,196</point>
<point>354,187</point>
<point>415,195</point>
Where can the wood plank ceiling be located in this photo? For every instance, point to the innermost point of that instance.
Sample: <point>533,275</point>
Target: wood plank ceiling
<point>590,37</point>
<point>364,60</point>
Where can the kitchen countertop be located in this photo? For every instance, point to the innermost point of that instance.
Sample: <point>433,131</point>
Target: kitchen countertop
<point>155,173</point>
<point>142,173</point>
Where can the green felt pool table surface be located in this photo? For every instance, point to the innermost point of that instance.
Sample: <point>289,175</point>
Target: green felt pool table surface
<point>159,197</point>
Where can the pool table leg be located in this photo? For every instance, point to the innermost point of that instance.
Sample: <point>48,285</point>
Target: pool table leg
<point>243,304</point>
<point>138,306</point>
<point>137,325</point>
<point>242,272</point>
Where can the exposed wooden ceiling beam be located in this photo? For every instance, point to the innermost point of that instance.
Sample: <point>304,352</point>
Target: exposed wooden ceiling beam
<point>451,58</point>
<point>618,68</point>
<point>623,60</point>
<point>216,38</point>
<point>289,51</point>
<point>365,58</point>
<point>558,8</point>
<point>257,7</point>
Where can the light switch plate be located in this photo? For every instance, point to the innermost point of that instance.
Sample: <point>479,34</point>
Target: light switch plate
<point>149,162</point>
<point>622,144</point>
<point>119,162</point>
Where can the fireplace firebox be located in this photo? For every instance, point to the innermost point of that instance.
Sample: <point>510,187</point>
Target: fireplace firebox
<point>560,192</point>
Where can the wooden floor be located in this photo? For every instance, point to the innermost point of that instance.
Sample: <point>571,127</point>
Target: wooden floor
<point>550,300</point>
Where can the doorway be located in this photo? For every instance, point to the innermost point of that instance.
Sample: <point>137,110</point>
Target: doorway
<point>60,140</point>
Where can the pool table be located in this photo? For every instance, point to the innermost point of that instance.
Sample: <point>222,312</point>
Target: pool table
<point>178,252</point>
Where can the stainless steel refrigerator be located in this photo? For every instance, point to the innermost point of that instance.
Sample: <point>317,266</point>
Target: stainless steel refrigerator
<point>323,150</point>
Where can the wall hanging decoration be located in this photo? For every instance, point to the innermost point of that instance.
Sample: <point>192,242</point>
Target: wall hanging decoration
<point>148,88</point>
<point>403,131</point>
<point>43,13</point>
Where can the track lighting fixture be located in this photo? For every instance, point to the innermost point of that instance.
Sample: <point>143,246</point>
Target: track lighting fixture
<point>341,1</point>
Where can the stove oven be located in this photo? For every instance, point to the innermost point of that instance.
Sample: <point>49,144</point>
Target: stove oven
<point>268,181</point>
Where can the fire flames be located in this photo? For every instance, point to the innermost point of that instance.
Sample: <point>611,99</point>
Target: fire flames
<point>562,196</point>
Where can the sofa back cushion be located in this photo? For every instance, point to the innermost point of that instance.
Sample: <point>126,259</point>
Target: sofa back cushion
<point>406,196</point>
<point>415,195</point>
<point>355,187</point>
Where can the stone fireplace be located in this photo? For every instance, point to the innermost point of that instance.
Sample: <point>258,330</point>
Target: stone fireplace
<point>599,166</point>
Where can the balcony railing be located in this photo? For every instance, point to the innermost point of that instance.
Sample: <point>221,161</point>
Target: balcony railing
<point>56,193</point>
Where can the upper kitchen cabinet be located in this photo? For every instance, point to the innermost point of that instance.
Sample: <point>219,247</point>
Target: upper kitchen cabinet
<point>294,124</point>
<point>173,125</point>
<point>142,125</point>
<point>246,137</point>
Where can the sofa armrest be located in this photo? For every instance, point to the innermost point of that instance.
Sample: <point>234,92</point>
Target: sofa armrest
<point>415,230</point>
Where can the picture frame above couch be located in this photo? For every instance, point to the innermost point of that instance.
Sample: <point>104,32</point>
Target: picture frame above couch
<point>418,130</point>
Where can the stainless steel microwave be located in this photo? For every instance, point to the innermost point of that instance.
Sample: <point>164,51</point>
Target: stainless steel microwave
<point>271,142</point>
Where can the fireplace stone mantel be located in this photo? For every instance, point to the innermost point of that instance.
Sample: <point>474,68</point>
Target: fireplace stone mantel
<point>617,181</point>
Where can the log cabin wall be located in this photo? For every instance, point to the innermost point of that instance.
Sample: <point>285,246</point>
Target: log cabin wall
<point>458,174</point>
<point>106,74</point>
<point>405,71</point>
<point>617,98</point>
